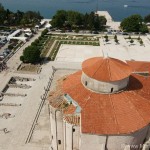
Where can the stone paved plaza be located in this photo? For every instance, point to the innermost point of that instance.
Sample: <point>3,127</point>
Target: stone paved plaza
<point>77,53</point>
<point>124,50</point>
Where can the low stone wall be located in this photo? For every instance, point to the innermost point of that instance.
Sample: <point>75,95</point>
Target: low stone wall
<point>13,94</point>
<point>9,104</point>
<point>17,78</point>
<point>23,86</point>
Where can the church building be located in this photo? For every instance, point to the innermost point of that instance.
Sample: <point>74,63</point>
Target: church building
<point>104,106</point>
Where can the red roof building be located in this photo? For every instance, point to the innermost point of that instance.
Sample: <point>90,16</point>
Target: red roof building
<point>108,99</point>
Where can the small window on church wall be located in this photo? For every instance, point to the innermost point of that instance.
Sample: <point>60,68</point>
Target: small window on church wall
<point>112,90</point>
<point>85,83</point>
<point>73,130</point>
<point>59,141</point>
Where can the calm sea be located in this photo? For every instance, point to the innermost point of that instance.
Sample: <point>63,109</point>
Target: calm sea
<point>48,7</point>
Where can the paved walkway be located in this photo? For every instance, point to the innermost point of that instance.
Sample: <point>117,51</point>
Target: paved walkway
<point>14,62</point>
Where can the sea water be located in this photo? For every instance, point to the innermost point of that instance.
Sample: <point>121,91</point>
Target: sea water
<point>48,7</point>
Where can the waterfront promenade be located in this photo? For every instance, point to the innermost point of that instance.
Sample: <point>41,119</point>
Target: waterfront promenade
<point>110,22</point>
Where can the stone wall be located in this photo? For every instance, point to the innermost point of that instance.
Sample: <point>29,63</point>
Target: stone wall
<point>133,141</point>
<point>103,87</point>
<point>56,120</point>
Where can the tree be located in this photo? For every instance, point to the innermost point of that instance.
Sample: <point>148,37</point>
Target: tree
<point>44,32</point>
<point>132,23</point>
<point>10,46</point>
<point>115,37</point>
<point>35,43</point>
<point>106,40</point>
<point>106,36</point>
<point>2,14</point>
<point>85,21</point>
<point>129,37</point>
<point>144,29</point>
<point>141,42</point>
<point>76,30</point>
<point>31,55</point>
<point>1,8</point>
<point>72,20</point>
<point>91,20</point>
<point>131,41</point>
<point>59,19</point>
<point>103,22</point>
<point>31,17</point>
<point>18,17</point>
<point>22,58</point>
<point>147,18</point>
<point>12,19</point>
<point>116,40</point>
<point>139,38</point>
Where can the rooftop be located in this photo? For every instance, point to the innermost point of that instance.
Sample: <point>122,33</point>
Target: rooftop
<point>119,113</point>
<point>106,69</point>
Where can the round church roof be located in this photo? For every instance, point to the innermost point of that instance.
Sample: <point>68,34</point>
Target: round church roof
<point>106,114</point>
<point>106,69</point>
<point>111,114</point>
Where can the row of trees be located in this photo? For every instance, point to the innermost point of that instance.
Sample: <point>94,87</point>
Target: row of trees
<point>10,18</point>
<point>135,23</point>
<point>32,53</point>
<point>75,20</point>
<point>147,18</point>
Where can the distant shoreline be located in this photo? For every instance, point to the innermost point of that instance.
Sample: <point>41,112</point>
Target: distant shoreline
<point>49,8</point>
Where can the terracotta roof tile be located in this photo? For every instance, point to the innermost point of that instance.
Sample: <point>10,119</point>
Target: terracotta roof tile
<point>69,110</point>
<point>106,69</point>
<point>139,65</point>
<point>74,119</point>
<point>120,113</point>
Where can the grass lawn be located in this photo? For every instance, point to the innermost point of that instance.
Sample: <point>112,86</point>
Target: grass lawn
<point>47,47</point>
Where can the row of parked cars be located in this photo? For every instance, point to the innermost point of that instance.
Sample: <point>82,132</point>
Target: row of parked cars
<point>2,42</point>
<point>5,51</point>
<point>4,54</point>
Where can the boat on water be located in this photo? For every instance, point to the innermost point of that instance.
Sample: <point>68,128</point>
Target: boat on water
<point>125,6</point>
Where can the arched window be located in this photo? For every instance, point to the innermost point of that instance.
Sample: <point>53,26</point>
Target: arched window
<point>86,83</point>
<point>112,90</point>
<point>59,141</point>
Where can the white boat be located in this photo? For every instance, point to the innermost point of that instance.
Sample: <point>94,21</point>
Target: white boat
<point>125,5</point>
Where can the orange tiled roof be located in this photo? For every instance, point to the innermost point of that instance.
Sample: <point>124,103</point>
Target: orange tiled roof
<point>138,66</point>
<point>106,69</point>
<point>69,110</point>
<point>120,113</point>
<point>74,119</point>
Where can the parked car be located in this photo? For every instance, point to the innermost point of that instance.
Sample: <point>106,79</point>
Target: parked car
<point>5,54</point>
<point>7,51</point>
<point>109,32</point>
<point>124,33</point>
<point>95,32</point>
<point>1,56</point>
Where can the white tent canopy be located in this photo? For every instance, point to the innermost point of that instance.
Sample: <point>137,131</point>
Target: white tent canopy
<point>27,30</point>
<point>13,34</point>
<point>48,25</point>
